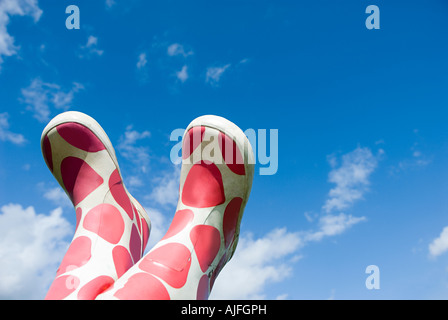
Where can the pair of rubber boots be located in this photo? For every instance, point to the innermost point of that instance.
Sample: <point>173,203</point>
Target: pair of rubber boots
<point>106,258</point>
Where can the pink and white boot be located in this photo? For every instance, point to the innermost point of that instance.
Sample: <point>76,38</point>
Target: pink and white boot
<point>215,183</point>
<point>112,228</point>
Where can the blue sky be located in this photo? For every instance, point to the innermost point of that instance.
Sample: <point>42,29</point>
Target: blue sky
<point>361,118</point>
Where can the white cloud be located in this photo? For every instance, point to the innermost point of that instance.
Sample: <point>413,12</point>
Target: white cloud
<point>170,60</point>
<point>166,190</point>
<point>417,160</point>
<point>271,258</point>
<point>91,42</point>
<point>177,49</point>
<point>351,178</point>
<point>90,48</point>
<point>10,8</point>
<point>31,247</point>
<point>134,181</point>
<point>310,216</point>
<point>256,263</point>
<point>127,145</point>
<point>159,226</point>
<point>439,245</point>
<point>213,75</point>
<point>58,197</point>
<point>331,225</point>
<point>182,75</point>
<point>282,297</point>
<point>142,61</point>
<point>40,96</point>
<point>110,3</point>
<point>6,135</point>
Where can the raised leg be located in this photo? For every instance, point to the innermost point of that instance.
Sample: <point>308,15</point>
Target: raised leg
<point>112,228</point>
<point>215,183</point>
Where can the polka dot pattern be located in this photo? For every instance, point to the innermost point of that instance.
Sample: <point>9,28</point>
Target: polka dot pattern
<point>122,260</point>
<point>135,244</point>
<point>230,221</point>
<point>203,231</point>
<point>170,262</point>
<point>79,178</point>
<point>206,241</point>
<point>80,137</point>
<point>62,287</point>
<point>203,290</point>
<point>197,245</point>
<point>192,140</point>
<point>231,154</point>
<point>48,155</point>
<point>78,254</point>
<point>143,286</point>
<point>106,221</point>
<point>94,287</point>
<point>117,189</point>
<point>203,187</point>
<point>145,233</point>
<point>109,229</point>
<point>181,219</point>
<point>78,213</point>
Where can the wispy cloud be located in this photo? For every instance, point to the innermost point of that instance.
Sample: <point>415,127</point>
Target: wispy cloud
<point>40,97</point>
<point>270,258</point>
<point>214,74</point>
<point>142,67</point>
<point>142,61</point>
<point>90,49</point>
<point>440,244</point>
<point>10,8</point>
<point>31,247</point>
<point>177,49</point>
<point>417,157</point>
<point>110,3</point>
<point>351,177</point>
<point>166,187</point>
<point>134,181</point>
<point>159,226</point>
<point>129,147</point>
<point>168,60</point>
<point>182,75</point>
<point>257,263</point>
<point>178,62</point>
<point>331,225</point>
<point>417,160</point>
<point>6,134</point>
<point>57,196</point>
